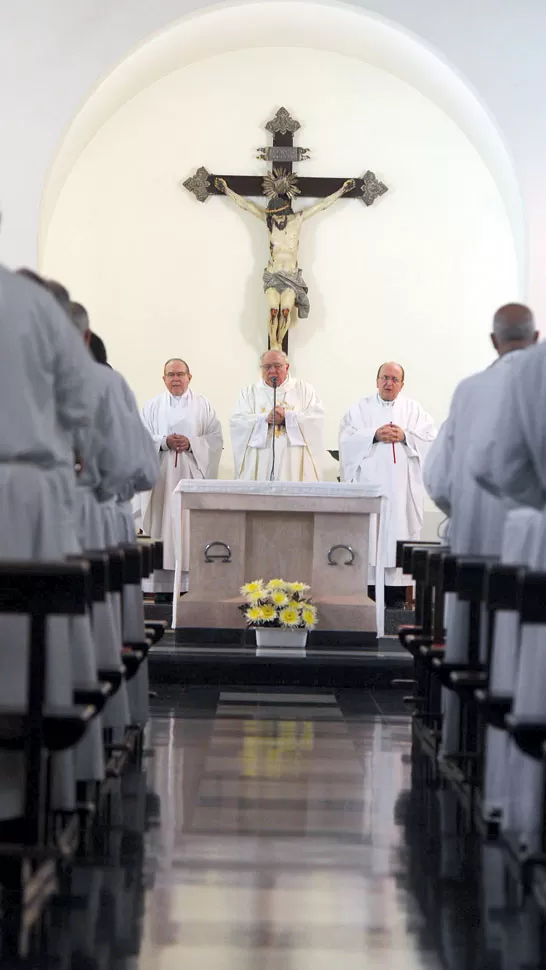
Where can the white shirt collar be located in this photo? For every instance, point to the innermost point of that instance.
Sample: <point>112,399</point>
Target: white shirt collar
<point>178,400</point>
<point>385,404</point>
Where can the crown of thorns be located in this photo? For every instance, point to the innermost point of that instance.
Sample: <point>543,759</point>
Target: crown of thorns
<point>278,206</point>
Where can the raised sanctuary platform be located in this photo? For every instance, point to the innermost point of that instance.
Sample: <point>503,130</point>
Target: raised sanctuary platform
<point>316,532</point>
<point>207,661</point>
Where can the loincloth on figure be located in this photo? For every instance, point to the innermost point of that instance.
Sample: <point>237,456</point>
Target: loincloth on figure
<point>285,280</point>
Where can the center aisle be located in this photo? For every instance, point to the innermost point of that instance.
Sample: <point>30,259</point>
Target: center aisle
<point>285,830</point>
<point>281,843</point>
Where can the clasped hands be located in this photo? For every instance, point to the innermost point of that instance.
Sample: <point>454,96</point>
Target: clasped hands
<point>389,433</point>
<point>279,416</point>
<point>178,442</point>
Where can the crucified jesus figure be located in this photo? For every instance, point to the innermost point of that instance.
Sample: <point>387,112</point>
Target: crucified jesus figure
<point>283,281</point>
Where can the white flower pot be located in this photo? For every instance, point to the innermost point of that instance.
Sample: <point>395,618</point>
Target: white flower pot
<point>275,642</point>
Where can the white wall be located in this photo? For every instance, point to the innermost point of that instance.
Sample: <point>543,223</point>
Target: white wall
<point>54,53</point>
<point>415,277</point>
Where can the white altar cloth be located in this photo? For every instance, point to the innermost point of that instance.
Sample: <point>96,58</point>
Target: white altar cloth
<point>299,489</point>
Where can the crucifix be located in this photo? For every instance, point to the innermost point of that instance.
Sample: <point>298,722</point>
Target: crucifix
<point>284,287</point>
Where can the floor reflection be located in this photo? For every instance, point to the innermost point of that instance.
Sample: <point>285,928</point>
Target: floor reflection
<point>286,831</point>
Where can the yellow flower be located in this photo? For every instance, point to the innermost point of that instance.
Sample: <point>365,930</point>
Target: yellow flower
<point>279,598</point>
<point>254,614</point>
<point>268,613</point>
<point>255,597</point>
<point>309,615</point>
<point>298,587</point>
<point>294,604</point>
<point>289,616</point>
<point>277,584</point>
<point>256,586</point>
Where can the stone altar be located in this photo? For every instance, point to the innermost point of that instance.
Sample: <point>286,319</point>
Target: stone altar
<point>316,532</point>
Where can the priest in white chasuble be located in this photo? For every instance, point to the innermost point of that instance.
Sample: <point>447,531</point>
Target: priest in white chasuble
<point>297,424</point>
<point>383,440</point>
<point>188,437</point>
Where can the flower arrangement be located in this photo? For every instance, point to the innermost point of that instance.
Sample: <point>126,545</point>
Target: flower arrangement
<point>278,604</point>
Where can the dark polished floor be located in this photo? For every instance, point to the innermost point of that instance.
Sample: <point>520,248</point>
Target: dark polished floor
<point>283,832</point>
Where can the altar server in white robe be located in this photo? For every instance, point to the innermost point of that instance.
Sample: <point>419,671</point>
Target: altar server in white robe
<point>299,427</point>
<point>476,516</point>
<point>188,438</point>
<point>512,464</point>
<point>45,397</point>
<point>384,440</point>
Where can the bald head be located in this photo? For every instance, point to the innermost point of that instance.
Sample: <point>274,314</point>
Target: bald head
<point>175,360</point>
<point>390,380</point>
<point>513,328</point>
<point>390,364</point>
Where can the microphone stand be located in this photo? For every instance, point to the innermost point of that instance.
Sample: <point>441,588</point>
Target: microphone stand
<point>274,426</point>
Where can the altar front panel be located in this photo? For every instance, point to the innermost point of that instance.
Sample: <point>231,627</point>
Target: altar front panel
<point>278,535</point>
<point>278,544</point>
<point>217,579</point>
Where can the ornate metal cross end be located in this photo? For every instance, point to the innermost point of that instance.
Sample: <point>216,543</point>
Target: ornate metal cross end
<point>199,184</point>
<point>371,188</point>
<point>282,123</point>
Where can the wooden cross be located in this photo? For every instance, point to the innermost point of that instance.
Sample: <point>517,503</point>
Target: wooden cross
<point>282,155</point>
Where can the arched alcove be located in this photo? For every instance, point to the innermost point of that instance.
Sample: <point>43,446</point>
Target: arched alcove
<point>415,277</point>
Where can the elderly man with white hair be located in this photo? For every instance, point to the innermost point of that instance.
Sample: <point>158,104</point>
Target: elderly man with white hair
<point>285,443</point>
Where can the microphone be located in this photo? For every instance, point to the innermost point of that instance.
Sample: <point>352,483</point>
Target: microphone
<point>274,383</point>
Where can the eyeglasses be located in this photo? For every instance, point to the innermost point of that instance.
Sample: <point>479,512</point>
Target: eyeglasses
<point>393,380</point>
<point>273,366</point>
<point>170,374</point>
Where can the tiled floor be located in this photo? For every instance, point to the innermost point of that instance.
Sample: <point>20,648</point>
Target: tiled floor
<point>284,833</point>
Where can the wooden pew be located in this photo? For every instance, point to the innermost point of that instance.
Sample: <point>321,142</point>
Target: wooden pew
<point>441,568</point>
<point>152,558</point>
<point>29,849</point>
<point>404,552</point>
<point>529,732</point>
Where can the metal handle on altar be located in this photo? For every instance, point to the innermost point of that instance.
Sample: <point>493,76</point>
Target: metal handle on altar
<point>221,556</point>
<point>332,561</point>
